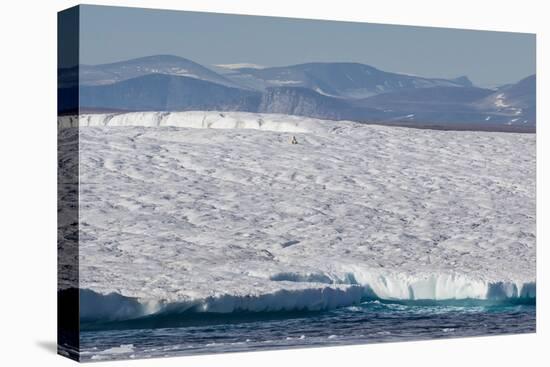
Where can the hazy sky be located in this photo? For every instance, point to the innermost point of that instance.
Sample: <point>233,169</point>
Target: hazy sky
<point>111,34</point>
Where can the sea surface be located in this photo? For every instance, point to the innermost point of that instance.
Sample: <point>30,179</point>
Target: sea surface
<point>370,322</point>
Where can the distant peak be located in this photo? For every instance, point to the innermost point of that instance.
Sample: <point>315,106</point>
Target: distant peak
<point>464,81</point>
<point>337,64</point>
<point>162,58</point>
<point>151,58</point>
<point>531,78</point>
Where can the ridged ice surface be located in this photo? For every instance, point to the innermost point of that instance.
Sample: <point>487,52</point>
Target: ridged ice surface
<point>220,212</point>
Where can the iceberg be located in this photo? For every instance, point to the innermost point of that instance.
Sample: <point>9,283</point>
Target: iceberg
<point>216,212</point>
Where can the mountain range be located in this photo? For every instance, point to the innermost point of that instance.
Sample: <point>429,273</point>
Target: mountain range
<point>338,91</point>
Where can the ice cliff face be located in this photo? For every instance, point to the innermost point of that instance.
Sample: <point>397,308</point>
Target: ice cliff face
<point>217,212</point>
<point>203,120</point>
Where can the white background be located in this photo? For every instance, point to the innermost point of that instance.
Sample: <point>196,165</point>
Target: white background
<point>28,181</point>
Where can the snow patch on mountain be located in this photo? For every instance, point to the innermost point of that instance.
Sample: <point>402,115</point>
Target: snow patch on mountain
<point>499,101</point>
<point>240,66</point>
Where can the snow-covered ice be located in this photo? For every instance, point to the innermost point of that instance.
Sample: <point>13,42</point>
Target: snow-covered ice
<point>219,212</point>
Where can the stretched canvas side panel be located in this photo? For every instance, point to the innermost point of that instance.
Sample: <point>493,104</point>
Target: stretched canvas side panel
<point>68,24</point>
<point>222,190</point>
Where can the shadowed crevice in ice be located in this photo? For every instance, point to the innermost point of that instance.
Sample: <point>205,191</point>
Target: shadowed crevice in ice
<point>302,278</point>
<point>289,243</point>
<point>112,306</point>
<point>504,290</point>
<point>348,278</point>
<point>529,290</point>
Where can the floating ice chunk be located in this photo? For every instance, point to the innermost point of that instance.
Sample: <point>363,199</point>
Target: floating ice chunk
<point>436,223</point>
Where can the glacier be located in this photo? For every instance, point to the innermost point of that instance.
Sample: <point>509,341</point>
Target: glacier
<point>205,211</point>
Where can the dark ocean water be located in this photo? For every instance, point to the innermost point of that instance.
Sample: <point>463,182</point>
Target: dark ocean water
<point>370,322</point>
